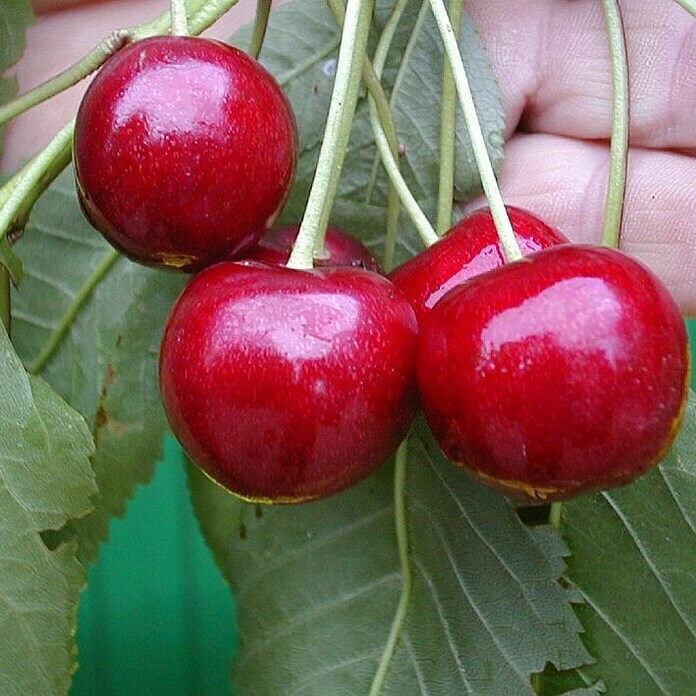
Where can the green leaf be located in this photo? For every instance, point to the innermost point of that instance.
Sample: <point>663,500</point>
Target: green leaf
<point>634,562</point>
<point>106,364</point>
<point>15,17</point>
<point>485,612</point>
<point>46,480</point>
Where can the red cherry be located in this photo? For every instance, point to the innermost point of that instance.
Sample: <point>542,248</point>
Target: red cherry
<point>286,385</point>
<point>185,150</point>
<point>561,373</point>
<point>341,249</point>
<point>471,247</point>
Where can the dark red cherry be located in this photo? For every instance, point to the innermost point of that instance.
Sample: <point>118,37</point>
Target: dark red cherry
<point>185,150</point>
<point>287,385</point>
<point>564,372</point>
<point>471,247</point>
<point>341,249</point>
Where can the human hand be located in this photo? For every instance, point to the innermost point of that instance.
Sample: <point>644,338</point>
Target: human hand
<point>552,62</point>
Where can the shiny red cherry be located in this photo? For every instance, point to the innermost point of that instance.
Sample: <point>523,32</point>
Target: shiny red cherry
<point>341,249</point>
<point>564,372</point>
<point>185,150</point>
<point>471,247</point>
<point>286,385</point>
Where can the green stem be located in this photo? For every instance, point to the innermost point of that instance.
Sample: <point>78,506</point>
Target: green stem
<point>84,67</point>
<point>401,525</point>
<point>689,6</point>
<point>380,117</point>
<point>263,10</point>
<point>179,18</point>
<point>421,222</point>
<point>5,295</point>
<point>69,317</point>
<point>336,134</point>
<point>33,180</point>
<point>508,242</point>
<point>618,155</point>
<point>555,515</point>
<point>383,46</point>
<point>447,132</point>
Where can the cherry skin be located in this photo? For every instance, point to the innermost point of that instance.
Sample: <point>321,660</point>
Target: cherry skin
<point>185,150</point>
<point>561,373</point>
<point>471,247</point>
<point>284,385</point>
<point>341,249</point>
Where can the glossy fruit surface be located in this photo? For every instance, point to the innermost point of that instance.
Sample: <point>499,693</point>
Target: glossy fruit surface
<point>286,385</point>
<point>185,150</point>
<point>560,373</point>
<point>341,249</point>
<point>470,248</point>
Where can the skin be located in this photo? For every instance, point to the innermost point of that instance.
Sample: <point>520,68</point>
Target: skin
<point>552,63</point>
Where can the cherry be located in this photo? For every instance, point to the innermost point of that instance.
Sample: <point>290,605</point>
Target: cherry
<point>340,249</point>
<point>287,385</point>
<point>564,372</point>
<point>471,247</point>
<point>185,150</point>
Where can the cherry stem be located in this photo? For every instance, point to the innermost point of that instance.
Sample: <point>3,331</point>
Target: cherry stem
<point>263,11</point>
<point>76,305</point>
<point>25,188</point>
<point>401,526</point>
<point>508,242</point>
<point>84,67</point>
<point>384,113</point>
<point>555,514</point>
<point>618,155</point>
<point>689,6</point>
<point>385,148</point>
<point>383,46</point>
<point>310,238</point>
<point>179,18</point>
<point>447,132</point>
<point>421,222</point>
<point>380,118</point>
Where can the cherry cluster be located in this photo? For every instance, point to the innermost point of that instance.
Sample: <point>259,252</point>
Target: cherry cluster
<point>563,372</point>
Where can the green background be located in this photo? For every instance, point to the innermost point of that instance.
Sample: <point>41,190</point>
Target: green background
<point>157,617</point>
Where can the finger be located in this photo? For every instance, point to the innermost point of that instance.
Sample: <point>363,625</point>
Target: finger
<point>552,61</point>
<point>564,181</point>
